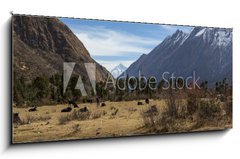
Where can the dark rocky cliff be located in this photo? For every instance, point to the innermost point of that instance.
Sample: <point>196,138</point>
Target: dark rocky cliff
<point>41,45</point>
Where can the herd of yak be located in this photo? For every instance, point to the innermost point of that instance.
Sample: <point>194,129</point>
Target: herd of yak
<point>72,104</point>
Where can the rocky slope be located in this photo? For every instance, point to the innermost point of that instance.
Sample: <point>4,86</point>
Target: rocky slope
<point>207,51</point>
<point>41,45</point>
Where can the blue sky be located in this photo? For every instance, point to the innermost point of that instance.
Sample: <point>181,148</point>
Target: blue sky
<point>111,43</point>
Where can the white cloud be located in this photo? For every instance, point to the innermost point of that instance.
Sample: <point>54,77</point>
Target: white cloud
<point>105,42</point>
<point>101,41</point>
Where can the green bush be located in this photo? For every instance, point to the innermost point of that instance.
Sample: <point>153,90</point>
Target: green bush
<point>192,104</point>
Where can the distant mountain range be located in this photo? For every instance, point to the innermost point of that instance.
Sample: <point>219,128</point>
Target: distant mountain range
<point>118,70</point>
<point>207,51</point>
<point>41,45</point>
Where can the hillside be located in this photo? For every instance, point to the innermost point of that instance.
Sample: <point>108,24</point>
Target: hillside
<point>41,45</point>
<point>207,51</point>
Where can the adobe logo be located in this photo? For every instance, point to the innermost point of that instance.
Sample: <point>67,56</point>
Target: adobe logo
<point>68,70</point>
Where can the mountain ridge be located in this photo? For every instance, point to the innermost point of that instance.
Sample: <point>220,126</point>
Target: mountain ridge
<point>208,51</point>
<point>41,45</point>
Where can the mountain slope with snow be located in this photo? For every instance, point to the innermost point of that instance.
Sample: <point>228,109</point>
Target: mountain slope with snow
<point>118,70</point>
<point>207,51</point>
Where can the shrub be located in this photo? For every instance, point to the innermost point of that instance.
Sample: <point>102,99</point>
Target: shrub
<point>228,108</point>
<point>98,114</point>
<point>131,110</point>
<point>28,119</point>
<point>43,118</point>
<point>208,109</point>
<point>159,122</point>
<point>171,103</point>
<point>75,115</point>
<point>114,113</point>
<point>64,119</point>
<point>148,121</point>
<point>208,113</point>
<point>192,104</point>
<point>76,128</point>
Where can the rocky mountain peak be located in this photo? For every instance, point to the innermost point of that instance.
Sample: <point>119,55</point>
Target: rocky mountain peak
<point>207,51</point>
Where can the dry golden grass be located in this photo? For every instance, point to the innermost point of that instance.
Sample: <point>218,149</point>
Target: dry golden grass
<point>44,125</point>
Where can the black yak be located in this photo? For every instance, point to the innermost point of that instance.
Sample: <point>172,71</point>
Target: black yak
<point>75,105</point>
<point>89,100</point>
<point>33,109</point>
<point>103,105</point>
<point>72,101</point>
<point>82,110</point>
<point>147,101</point>
<point>68,109</point>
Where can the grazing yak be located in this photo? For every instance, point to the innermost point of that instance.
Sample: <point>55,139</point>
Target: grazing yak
<point>68,109</point>
<point>33,109</point>
<point>82,110</point>
<point>71,102</point>
<point>139,103</point>
<point>103,105</point>
<point>75,105</point>
<point>89,100</point>
<point>147,101</point>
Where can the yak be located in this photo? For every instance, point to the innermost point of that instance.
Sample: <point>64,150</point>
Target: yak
<point>33,109</point>
<point>82,110</point>
<point>68,109</point>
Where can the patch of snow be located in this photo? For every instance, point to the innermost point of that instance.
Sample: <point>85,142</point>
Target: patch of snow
<point>222,38</point>
<point>118,70</point>
<point>201,32</point>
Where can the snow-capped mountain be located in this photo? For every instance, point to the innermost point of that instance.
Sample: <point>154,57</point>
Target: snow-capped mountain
<point>207,51</point>
<point>118,70</point>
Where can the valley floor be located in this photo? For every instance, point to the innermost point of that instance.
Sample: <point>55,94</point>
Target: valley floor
<point>46,123</point>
